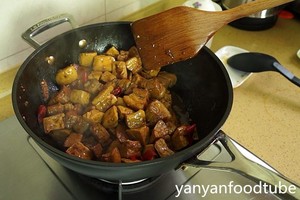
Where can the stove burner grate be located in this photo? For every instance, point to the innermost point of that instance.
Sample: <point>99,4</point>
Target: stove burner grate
<point>109,186</point>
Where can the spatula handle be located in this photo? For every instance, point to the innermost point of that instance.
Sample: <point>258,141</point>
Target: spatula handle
<point>255,6</point>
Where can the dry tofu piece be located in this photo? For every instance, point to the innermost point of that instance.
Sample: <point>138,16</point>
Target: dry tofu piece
<point>86,59</point>
<point>120,102</point>
<point>136,119</point>
<point>123,110</point>
<point>133,51</point>
<point>55,109</point>
<point>155,88</point>
<point>123,56</point>
<point>167,99</point>
<point>107,77</point>
<point>149,73</point>
<point>54,122</point>
<point>134,64</point>
<point>156,111</point>
<point>72,139</point>
<point>100,133</point>
<point>115,155</point>
<point>110,118</point>
<point>97,150</point>
<point>81,125</point>
<point>141,134</point>
<point>112,51</point>
<point>103,93</point>
<point>62,96</point>
<point>105,99</point>
<point>95,75</point>
<point>93,116</point>
<point>60,135</point>
<point>106,102</point>
<point>160,130</point>
<point>162,148</point>
<point>119,68</point>
<point>112,156</point>
<point>78,149</point>
<point>167,79</point>
<point>80,96</point>
<point>138,79</point>
<point>113,144</point>
<point>123,83</point>
<point>131,149</point>
<point>138,99</point>
<point>92,86</point>
<point>179,139</point>
<point>66,75</point>
<point>103,63</point>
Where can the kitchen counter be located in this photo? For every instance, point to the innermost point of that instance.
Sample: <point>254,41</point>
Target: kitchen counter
<point>265,116</point>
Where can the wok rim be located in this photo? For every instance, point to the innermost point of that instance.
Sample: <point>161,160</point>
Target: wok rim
<point>185,153</point>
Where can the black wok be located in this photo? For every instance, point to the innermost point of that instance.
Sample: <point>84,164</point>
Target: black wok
<point>203,85</point>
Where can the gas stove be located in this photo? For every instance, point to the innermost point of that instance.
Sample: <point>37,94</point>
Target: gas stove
<point>28,173</point>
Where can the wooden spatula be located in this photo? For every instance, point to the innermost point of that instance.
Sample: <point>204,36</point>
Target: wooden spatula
<point>179,33</point>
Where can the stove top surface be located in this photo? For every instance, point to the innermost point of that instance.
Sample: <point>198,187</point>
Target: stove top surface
<point>28,173</point>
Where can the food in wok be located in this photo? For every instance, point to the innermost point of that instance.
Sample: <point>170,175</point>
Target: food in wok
<point>109,108</point>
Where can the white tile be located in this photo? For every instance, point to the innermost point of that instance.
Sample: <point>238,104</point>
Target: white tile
<point>123,11</point>
<point>112,5</point>
<point>14,60</point>
<point>16,16</point>
<point>144,3</point>
<point>96,20</point>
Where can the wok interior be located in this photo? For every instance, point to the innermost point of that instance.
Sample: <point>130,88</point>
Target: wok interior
<point>202,83</point>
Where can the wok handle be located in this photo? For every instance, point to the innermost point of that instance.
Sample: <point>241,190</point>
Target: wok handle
<point>245,166</point>
<point>45,25</point>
